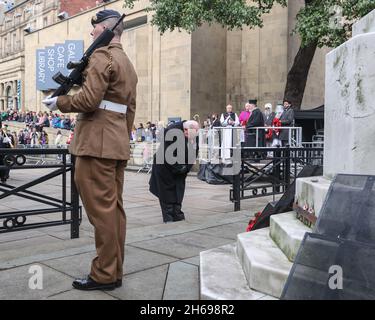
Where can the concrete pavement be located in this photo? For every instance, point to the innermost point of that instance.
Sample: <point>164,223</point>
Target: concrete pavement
<point>162,260</point>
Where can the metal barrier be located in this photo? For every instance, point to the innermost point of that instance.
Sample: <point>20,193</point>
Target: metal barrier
<point>270,172</point>
<point>217,144</point>
<point>17,159</point>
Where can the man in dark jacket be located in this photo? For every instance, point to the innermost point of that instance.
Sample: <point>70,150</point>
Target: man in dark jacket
<point>287,120</point>
<point>173,161</point>
<point>6,142</point>
<point>256,120</point>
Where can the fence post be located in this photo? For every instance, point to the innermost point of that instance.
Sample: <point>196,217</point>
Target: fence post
<point>287,166</point>
<point>74,231</point>
<point>276,169</point>
<point>237,192</point>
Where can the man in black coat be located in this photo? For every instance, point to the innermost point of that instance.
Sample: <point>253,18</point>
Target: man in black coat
<point>172,162</point>
<point>5,143</point>
<point>287,120</point>
<point>256,120</point>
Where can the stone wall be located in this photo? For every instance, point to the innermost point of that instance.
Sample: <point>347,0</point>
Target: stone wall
<point>208,72</point>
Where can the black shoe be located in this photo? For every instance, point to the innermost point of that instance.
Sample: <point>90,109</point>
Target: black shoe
<point>119,283</point>
<point>168,212</point>
<point>89,284</point>
<point>178,215</point>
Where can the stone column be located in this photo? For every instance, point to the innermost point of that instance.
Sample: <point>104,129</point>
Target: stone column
<point>349,146</point>
<point>350,105</point>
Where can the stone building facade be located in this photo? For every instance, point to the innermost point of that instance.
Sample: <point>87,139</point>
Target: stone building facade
<point>182,75</point>
<point>19,18</point>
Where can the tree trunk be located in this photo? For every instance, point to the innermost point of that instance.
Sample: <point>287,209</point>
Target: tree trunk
<point>297,76</point>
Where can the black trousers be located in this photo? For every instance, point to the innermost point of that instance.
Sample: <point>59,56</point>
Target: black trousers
<point>171,212</point>
<point>4,173</point>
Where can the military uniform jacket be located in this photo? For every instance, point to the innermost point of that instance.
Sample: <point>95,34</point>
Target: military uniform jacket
<point>101,133</point>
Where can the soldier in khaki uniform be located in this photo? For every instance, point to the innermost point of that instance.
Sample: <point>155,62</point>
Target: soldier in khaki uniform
<point>106,106</point>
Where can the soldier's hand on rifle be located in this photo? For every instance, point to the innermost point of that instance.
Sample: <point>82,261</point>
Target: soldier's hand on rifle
<point>51,103</point>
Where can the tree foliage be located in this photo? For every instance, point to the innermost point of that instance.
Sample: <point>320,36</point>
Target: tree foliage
<point>191,14</point>
<point>325,22</point>
<point>329,22</point>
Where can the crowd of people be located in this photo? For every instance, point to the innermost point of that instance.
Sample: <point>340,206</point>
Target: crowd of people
<point>149,133</point>
<point>40,120</point>
<point>251,117</point>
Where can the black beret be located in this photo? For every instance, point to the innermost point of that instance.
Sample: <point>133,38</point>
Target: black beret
<point>104,15</point>
<point>253,101</point>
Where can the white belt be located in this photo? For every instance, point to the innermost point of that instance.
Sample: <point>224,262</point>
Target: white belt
<point>112,106</point>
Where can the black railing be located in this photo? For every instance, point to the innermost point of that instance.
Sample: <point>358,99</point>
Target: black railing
<point>270,171</point>
<point>60,163</point>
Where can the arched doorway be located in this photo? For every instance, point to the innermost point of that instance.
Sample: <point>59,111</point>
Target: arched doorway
<point>9,97</point>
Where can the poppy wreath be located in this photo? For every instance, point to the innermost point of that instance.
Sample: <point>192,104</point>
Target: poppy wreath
<point>276,123</point>
<point>269,133</point>
<point>252,222</point>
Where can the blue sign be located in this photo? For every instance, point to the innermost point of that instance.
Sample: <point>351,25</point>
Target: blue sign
<point>51,67</point>
<point>41,70</point>
<point>62,58</point>
<point>54,59</point>
<point>74,49</point>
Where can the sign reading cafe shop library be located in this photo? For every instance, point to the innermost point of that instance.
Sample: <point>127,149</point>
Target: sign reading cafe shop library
<point>54,59</point>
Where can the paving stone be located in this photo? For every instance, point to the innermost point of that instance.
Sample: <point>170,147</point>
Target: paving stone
<point>182,282</point>
<point>182,246</point>
<point>74,266</point>
<point>135,260</point>
<point>151,245</point>
<point>16,284</point>
<point>138,260</point>
<point>81,295</point>
<point>43,252</point>
<point>14,249</point>
<point>228,231</point>
<point>16,236</point>
<point>194,260</point>
<point>144,285</point>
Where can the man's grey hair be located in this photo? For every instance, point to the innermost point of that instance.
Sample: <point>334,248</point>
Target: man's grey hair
<point>111,22</point>
<point>191,124</point>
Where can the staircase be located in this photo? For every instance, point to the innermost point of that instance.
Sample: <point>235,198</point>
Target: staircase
<point>257,266</point>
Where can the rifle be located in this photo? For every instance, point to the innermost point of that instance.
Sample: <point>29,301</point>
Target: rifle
<point>75,77</point>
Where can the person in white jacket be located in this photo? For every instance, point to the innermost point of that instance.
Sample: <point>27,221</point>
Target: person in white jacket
<point>228,120</point>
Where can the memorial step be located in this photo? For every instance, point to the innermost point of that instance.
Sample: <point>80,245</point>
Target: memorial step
<point>265,266</point>
<point>311,192</point>
<point>222,276</point>
<point>288,232</point>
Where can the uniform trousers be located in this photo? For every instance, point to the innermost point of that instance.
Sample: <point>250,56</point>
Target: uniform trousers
<point>100,184</point>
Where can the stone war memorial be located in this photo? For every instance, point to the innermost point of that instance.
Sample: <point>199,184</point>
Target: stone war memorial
<point>335,258</point>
